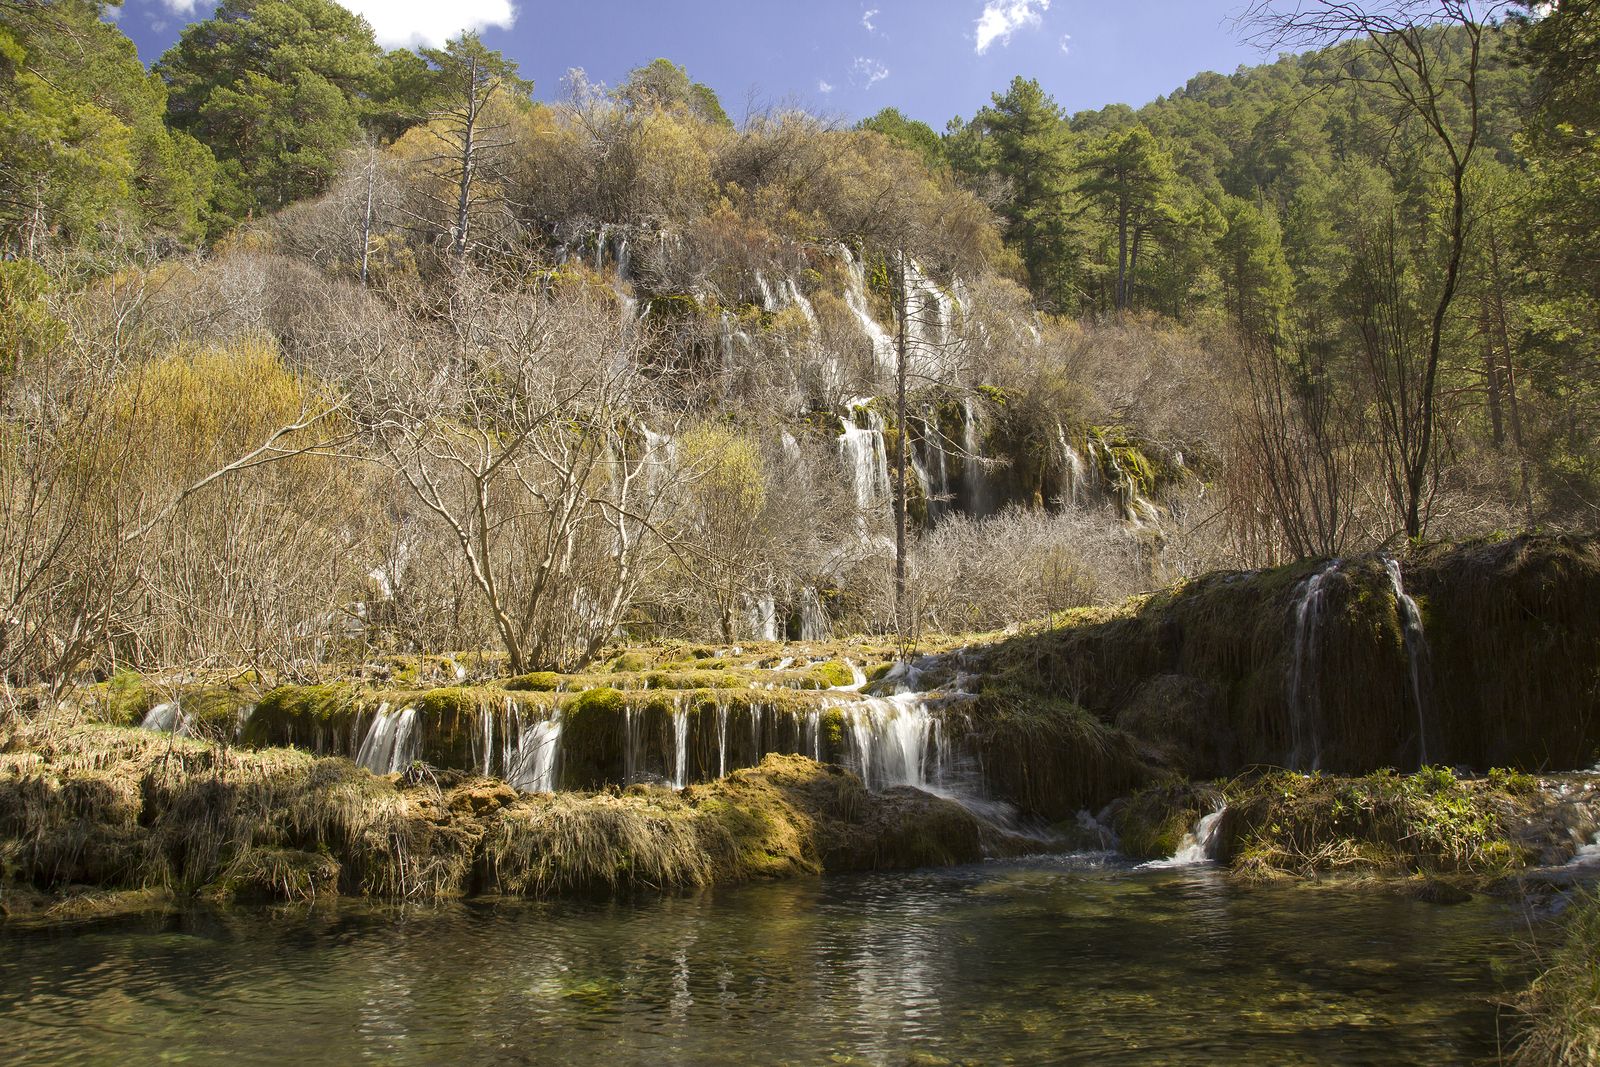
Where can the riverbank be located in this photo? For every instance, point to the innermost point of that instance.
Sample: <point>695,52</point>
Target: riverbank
<point>88,810</point>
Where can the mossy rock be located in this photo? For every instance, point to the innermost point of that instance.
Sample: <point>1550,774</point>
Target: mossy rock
<point>1152,823</point>
<point>593,736</point>
<point>537,682</point>
<point>833,674</point>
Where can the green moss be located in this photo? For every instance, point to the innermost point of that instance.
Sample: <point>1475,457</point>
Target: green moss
<point>1430,822</point>
<point>832,674</point>
<point>127,698</point>
<point>537,682</point>
<point>834,729</point>
<point>1152,823</point>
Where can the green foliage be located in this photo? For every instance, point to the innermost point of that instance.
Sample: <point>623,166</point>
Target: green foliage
<point>664,84</point>
<point>919,137</point>
<point>276,89</point>
<point>27,328</point>
<point>89,160</point>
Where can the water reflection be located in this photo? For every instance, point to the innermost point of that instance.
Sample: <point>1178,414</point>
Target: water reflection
<point>1076,959</point>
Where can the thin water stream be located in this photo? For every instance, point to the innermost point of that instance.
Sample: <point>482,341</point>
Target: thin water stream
<point>1063,960</point>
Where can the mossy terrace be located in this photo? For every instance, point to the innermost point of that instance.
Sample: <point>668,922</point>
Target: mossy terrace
<point>1190,682</point>
<point>156,818</point>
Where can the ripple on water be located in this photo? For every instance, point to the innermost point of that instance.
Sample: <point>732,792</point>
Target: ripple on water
<point>1053,958</point>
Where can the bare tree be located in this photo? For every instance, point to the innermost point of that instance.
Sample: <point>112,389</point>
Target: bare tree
<point>526,447</point>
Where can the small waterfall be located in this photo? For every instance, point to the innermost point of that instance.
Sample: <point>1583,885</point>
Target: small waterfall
<point>389,744</point>
<point>1199,845</point>
<point>166,718</point>
<point>855,296</point>
<point>890,738</point>
<point>486,735</point>
<point>862,453</point>
<point>761,617</point>
<point>1418,655</point>
<point>814,622</point>
<point>632,746</point>
<point>1073,470</point>
<point>722,738</point>
<point>972,445</point>
<point>933,468</point>
<point>680,744</point>
<point>1305,692</point>
<point>531,764</point>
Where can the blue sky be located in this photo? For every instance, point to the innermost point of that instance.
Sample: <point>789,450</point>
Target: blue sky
<point>932,59</point>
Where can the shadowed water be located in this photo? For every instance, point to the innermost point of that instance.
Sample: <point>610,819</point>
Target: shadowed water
<point>1065,960</point>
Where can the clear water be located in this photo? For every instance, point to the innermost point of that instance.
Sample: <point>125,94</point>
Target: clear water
<point>1072,960</point>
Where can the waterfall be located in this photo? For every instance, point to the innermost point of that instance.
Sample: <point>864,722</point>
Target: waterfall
<point>814,622</point>
<point>1072,467</point>
<point>680,744</point>
<point>631,747</point>
<point>722,737</point>
<point>761,617</point>
<point>1417,654</point>
<point>1305,692</point>
<point>855,296</point>
<point>937,467</point>
<point>972,445</point>
<point>166,718</point>
<point>389,744</point>
<point>531,765</point>
<point>890,738</point>
<point>769,299</point>
<point>1199,845</point>
<point>486,734</point>
<point>863,456</point>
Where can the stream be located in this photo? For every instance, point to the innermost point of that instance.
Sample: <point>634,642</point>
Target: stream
<point>1069,959</point>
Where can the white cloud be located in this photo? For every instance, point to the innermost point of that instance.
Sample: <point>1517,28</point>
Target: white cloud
<point>824,87</point>
<point>1002,18</point>
<point>868,72</point>
<point>1066,44</point>
<point>410,23</point>
<point>180,7</point>
<point>866,20</point>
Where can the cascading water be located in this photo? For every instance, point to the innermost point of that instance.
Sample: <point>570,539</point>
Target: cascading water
<point>389,744</point>
<point>862,454</point>
<point>972,445</point>
<point>1418,655</point>
<point>722,738</point>
<point>1199,845</point>
<point>890,739</point>
<point>814,622</point>
<point>855,297</point>
<point>680,745</point>
<point>1072,468</point>
<point>531,761</point>
<point>761,617</point>
<point>1305,693</point>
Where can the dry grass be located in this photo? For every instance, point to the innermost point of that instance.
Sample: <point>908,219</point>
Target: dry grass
<point>1560,1010</point>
